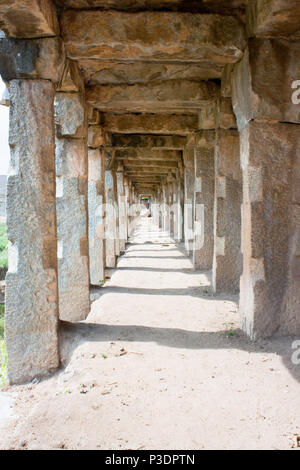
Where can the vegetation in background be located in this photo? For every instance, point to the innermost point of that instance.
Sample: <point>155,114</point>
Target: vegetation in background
<point>3,251</point>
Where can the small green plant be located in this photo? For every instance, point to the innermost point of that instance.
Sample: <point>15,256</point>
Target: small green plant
<point>104,356</point>
<point>68,391</point>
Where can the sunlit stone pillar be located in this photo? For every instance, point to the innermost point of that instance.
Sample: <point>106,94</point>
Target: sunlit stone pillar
<point>72,206</point>
<point>110,211</point>
<point>204,200</point>
<point>31,317</point>
<point>96,215</point>
<point>269,297</point>
<point>121,207</point>
<point>189,183</point>
<point>227,262</point>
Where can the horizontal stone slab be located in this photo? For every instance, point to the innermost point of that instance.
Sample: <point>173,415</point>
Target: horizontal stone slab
<point>164,155</point>
<point>159,36</point>
<point>276,18</point>
<point>117,73</point>
<point>215,6</point>
<point>262,89</point>
<point>32,58</point>
<point>170,96</point>
<point>150,163</point>
<point>28,18</point>
<point>150,123</point>
<point>153,142</point>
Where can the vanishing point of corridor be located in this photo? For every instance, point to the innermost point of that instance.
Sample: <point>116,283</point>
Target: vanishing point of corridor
<point>159,363</point>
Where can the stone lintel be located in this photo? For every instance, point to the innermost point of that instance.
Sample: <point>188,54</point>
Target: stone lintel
<point>150,124</point>
<point>167,96</point>
<point>262,89</point>
<point>32,58</point>
<point>153,142</point>
<point>29,18</point>
<point>160,36</point>
<point>273,18</point>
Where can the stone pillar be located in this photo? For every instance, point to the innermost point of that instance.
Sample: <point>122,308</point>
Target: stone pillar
<point>166,208</point>
<point>227,261</point>
<point>269,297</point>
<point>264,106</point>
<point>126,201</point>
<point>204,200</point>
<point>122,208</point>
<point>72,206</point>
<point>110,212</point>
<point>31,318</point>
<point>189,182</point>
<point>96,215</point>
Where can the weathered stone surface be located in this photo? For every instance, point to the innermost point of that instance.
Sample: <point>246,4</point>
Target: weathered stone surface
<point>207,117</point>
<point>164,155</point>
<point>93,115</point>
<point>71,207</point>
<point>31,284</point>
<point>204,201</point>
<point>105,72</point>
<point>96,216</point>
<point>70,117</point>
<point>144,164</point>
<point>226,81</point>
<point>158,36</point>
<point>28,18</point>
<point>271,18</point>
<point>225,118</point>
<point>227,262</point>
<point>122,209</point>
<point>263,88</point>
<point>173,96</point>
<point>268,151</point>
<point>111,215</point>
<point>150,123</point>
<point>189,195</point>
<point>35,58</point>
<point>153,142</point>
<point>72,80</point>
<point>95,136</point>
<point>210,6</point>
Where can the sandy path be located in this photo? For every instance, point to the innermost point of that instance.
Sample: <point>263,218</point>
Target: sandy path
<point>155,367</point>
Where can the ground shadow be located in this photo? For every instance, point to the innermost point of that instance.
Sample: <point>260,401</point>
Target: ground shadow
<point>179,339</point>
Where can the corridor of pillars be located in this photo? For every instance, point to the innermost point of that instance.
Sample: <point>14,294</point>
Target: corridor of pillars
<point>162,100</point>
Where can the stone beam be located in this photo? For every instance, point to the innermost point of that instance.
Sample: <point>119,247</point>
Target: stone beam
<point>263,89</point>
<point>159,36</point>
<point>153,142</point>
<point>28,18</point>
<point>276,18</point>
<point>173,96</point>
<point>140,164</point>
<point>150,124</point>
<point>105,72</point>
<point>32,58</point>
<point>135,154</point>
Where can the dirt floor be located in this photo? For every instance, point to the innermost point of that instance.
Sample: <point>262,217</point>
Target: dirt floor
<point>159,364</point>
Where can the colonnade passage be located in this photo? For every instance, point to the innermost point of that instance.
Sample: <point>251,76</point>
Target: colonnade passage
<point>192,105</point>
